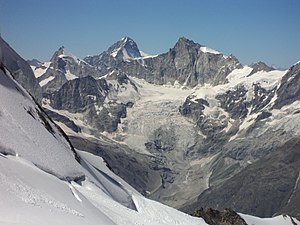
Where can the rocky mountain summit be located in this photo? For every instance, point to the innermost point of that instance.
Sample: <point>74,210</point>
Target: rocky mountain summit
<point>199,117</point>
<point>123,50</point>
<point>62,67</point>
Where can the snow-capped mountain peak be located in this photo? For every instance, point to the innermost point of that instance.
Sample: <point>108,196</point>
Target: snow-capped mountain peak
<point>62,53</point>
<point>126,48</point>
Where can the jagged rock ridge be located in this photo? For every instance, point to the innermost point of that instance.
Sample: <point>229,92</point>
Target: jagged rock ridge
<point>187,63</point>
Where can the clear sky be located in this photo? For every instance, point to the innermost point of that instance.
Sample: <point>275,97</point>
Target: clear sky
<point>252,30</point>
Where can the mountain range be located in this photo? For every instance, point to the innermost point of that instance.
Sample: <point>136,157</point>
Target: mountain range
<point>190,128</point>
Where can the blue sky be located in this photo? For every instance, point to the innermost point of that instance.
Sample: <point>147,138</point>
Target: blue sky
<point>252,30</point>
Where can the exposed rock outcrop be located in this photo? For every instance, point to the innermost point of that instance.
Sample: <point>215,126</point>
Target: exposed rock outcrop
<point>289,90</point>
<point>215,217</point>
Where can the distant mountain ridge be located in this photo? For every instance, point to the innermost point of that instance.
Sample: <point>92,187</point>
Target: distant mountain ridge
<point>187,63</point>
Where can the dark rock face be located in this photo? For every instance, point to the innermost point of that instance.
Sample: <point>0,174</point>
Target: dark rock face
<point>235,102</point>
<point>108,118</point>
<point>188,65</point>
<point>93,98</point>
<point>215,217</point>
<point>193,109</point>
<point>262,98</point>
<point>79,94</point>
<point>289,90</point>
<point>20,70</point>
<point>254,189</point>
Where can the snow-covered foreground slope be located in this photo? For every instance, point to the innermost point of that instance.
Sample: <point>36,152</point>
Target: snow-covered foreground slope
<point>26,131</point>
<point>31,196</point>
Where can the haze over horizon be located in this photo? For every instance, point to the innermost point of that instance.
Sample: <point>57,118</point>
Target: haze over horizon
<point>252,31</point>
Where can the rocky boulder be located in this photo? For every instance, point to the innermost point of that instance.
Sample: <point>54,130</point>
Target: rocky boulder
<point>215,217</point>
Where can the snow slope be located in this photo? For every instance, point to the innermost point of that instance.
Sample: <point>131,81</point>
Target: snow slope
<point>31,196</point>
<point>27,132</point>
